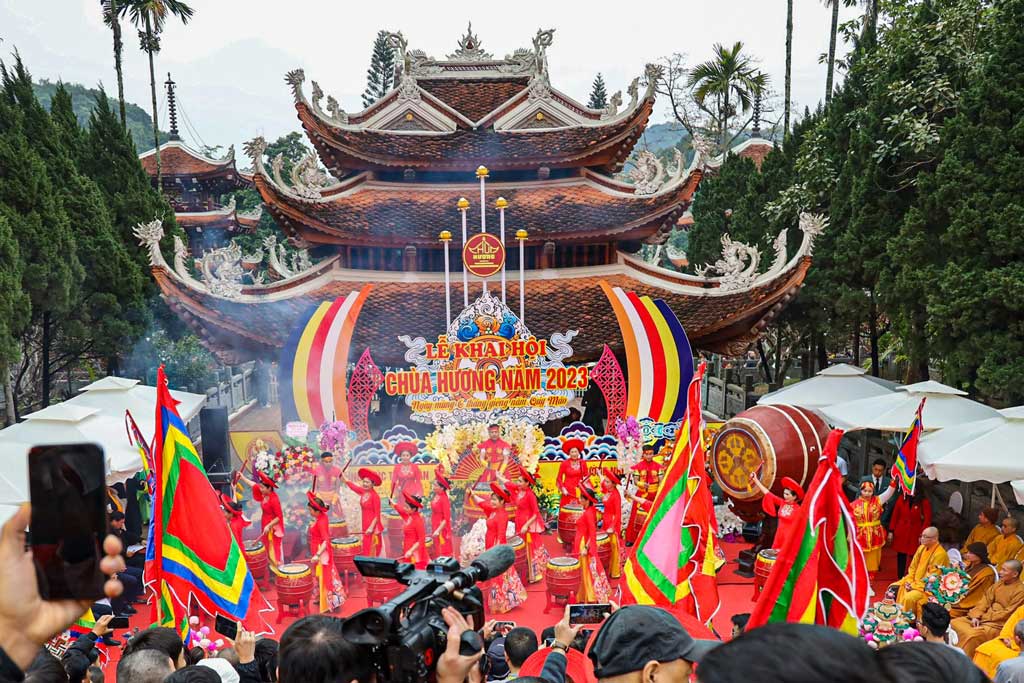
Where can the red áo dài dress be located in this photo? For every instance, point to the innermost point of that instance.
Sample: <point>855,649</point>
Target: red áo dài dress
<point>527,509</point>
<point>273,539</point>
<point>786,512</point>
<point>414,531</point>
<point>405,478</point>
<point>369,504</point>
<point>507,591</point>
<point>330,591</point>
<point>594,585</point>
<point>571,472</point>
<point>612,524</point>
<point>441,512</point>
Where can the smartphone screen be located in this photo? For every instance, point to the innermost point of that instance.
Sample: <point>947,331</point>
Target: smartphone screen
<point>118,622</point>
<point>67,487</point>
<point>504,626</point>
<point>226,627</point>
<point>588,613</point>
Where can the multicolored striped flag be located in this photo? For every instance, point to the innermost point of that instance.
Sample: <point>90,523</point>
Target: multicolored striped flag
<point>673,561</point>
<point>819,576</point>
<point>192,553</point>
<point>904,470</point>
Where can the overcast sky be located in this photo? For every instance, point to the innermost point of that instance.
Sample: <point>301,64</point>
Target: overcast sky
<point>230,61</point>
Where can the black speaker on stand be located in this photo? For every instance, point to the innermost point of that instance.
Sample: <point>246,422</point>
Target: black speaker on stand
<point>213,425</point>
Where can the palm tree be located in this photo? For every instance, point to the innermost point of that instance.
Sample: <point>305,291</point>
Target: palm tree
<point>731,74</point>
<point>832,44</point>
<point>150,17</point>
<point>789,65</point>
<point>112,19</point>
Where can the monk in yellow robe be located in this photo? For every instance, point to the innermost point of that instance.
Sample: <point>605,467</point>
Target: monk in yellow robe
<point>991,653</point>
<point>986,619</point>
<point>983,575</point>
<point>929,556</point>
<point>1005,546</point>
<point>986,530</point>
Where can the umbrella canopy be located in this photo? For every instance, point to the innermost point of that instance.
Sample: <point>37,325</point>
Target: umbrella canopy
<point>113,395</point>
<point>987,450</point>
<point>895,412</point>
<point>835,384</point>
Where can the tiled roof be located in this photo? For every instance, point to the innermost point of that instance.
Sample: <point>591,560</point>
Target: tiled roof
<point>388,214</point>
<point>474,98</point>
<point>176,159</point>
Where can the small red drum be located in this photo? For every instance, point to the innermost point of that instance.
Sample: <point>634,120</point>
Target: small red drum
<point>563,580</point>
<point>393,524</point>
<point>344,551</point>
<point>638,524</point>
<point>379,591</point>
<point>256,558</point>
<point>519,545</point>
<point>294,588</point>
<point>339,529</point>
<point>604,548</point>
<point>763,565</point>
<point>568,517</point>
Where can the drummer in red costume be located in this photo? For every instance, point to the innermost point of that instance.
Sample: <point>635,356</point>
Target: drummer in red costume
<point>236,520</point>
<point>406,476</point>
<point>507,591</point>
<point>612,519</point>
<point>330,592</point>
<point>441,516</point>
<point>572,471</point>
<point>414,531</point>
<point>369,503</point>
<point>647,475</point>
<point>493,453</point>
<point>529,524</point>
<point>785,508</point>
<point>272,521</point>
<point>593,581</point>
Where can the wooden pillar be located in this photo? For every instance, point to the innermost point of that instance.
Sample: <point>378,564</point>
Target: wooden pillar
<point>547,256</point>
<point>409,258</point>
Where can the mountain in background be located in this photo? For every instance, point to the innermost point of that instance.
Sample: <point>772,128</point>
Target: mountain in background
<point>83,99</point>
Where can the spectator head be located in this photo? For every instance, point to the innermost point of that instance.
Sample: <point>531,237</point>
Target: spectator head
<point>45,668</point>
<point>988,516</point>
<point>194,655</point>
<point>144,666</point>
<point>162,639</point>
<point>646,644</point>
<point>934,620</point>
<point>520,643</point>
<point>930,537</point>
<point>266,659</point>
<point>230,655</point>
<point>927,662</point>
<point>1009,526</point>
<point>497,664</point>
<point>314,650</point>
<point>739,623</point>
<point>117,519</point>
<point>1009,571</point>
<point>194,674</point>
<point>222,668</point>
<point>1018,632</point>
<point>547,634</point>
<point>782,653</point>
<point>878,467</point>
<point>94,675</point>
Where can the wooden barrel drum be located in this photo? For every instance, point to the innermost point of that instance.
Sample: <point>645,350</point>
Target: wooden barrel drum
<point>562,575</point>
<point>519,545</point>
<point>568,518</point>
<point>339,529</point>
<point>256,558</point>
<point>344,551</point>
<point>763,566</point>
<point>294,587</point>
<point>775,441</point>
<point>379,591</point>
<point>393,525</point>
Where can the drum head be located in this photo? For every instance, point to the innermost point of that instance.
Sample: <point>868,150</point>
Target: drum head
<point>603,536</point>
<point>769,554</point>
<point>563,561</point>
<point>253,546</point>
<point>573,507</point>
<point>293,568</point>
<point>516,541</point>
<point>349,540</point>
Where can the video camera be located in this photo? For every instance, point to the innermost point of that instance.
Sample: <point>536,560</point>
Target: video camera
<point>406,635</point>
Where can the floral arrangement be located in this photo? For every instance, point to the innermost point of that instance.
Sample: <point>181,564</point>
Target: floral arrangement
<point>270,464</point>
<point>333,437</point>
<point>449,443</point>
<point>729,525</point>
<point>885,623</point>
<point>947,585</point>
<point>630,446</point>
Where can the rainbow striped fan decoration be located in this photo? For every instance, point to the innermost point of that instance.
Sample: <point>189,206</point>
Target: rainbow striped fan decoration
<point>313,363</point>
<point>659,362</point>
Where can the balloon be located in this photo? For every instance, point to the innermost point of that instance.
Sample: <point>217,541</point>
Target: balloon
<point>205,630</point>
<point>204,643</point>
<point>193,621</point>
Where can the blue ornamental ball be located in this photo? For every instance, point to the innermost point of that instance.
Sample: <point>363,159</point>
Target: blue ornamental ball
<point>507,330</point>
<point>468,331</point>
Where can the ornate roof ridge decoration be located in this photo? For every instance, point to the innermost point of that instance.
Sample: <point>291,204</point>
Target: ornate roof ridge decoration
<point>225,210</point>
<point>308,180</point>
<point>470,48</point>
<point>228,158</point>
<point>222,271</point>
<point>253,214</point>
<point>298,264</point>
<point>648,175</point>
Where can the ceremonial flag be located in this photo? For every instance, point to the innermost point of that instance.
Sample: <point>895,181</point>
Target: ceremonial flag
<point>84,624</point>
<point>192,552</point>
<point>904,470</point>
<point>819,576</point>
<point>673,561</point>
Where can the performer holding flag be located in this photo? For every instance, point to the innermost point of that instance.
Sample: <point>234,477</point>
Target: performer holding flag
<point>904,470</point>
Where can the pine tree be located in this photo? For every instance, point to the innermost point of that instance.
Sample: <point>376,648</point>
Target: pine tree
<point>380,77</point>
<point>598,94</point>
<point>721,193</point>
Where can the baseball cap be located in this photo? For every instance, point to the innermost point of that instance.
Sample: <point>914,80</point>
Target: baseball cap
<point>637,634</point>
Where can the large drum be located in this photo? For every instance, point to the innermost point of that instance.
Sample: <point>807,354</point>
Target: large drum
<point>519,545</point>
<point>344,551</point>
<point>604,549</point>
<point>379,591</point>
<point>256,558</point>
<point>638,524</point>
<point>763,565</point>
<point>339,529</point>
<point>775,441</point>
<point>393,524</point>
<point>294,587</point>
<point>563,580</point>
<point>568,517</point>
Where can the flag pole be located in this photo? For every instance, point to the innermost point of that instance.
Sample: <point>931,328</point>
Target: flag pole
<point>501,205</point>
<point>481,173</point>
<point>521,236</point>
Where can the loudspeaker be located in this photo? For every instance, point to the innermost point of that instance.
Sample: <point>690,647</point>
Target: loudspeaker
<point>213,424</point>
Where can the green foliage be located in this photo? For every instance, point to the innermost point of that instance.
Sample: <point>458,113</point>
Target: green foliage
<point>292,149</point>
<point>598,94</point>
<point>727,85</point>
<point>187,364</point>
<point>14,305</point>
<point>380,77</point>
<point>727,191</point>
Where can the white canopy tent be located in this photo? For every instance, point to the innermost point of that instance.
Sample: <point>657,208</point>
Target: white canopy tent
<point>894,412</point>
<point>987,450</point>
<point>835,384</point>
<point>113,395</point>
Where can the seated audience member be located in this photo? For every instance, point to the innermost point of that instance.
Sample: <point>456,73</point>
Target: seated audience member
<point>144,666</point>
<point>45,668</point>
<point>990,653</point>
<point>193,674</point>
<point>222,668</point>
<point>985,620</point>
<point>520,643</point>
<point>926,663</point>
<point>314,650</point>
<point>1006,545</point>
<point>983,575</point>
<point>928,556</point>
<point>739,623</point>
<point>162,639</point>
<point>934,624</point>
<point>1011,670</point>
<point>786,653</point>
<point>645,643</point>
<point>83,653</point>
<point>985,531</point>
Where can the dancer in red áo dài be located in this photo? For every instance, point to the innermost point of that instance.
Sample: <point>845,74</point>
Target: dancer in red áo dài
<point>612,519</point>
<point>369,503</point>
<point>441,516</point>
<point>236,520</point>
<point>505,592</point>
<point>593,581</point>
<point>785,508</point>
<point>572,471</point>
<point>414,531</point>
<point>272,521</point>
<point>529,524</point>
<point>330,591</point>
<point>406,476</point>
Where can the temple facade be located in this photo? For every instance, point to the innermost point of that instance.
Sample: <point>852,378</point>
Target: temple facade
<point>395,173</point>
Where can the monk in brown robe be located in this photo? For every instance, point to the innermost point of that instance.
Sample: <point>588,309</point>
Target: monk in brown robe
<point>983,575</point>
<point>985,620</point>
<point>1005,546</point>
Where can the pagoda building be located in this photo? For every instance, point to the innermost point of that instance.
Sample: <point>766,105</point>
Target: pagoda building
<point>395,173</point>
<point>193,182</point>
